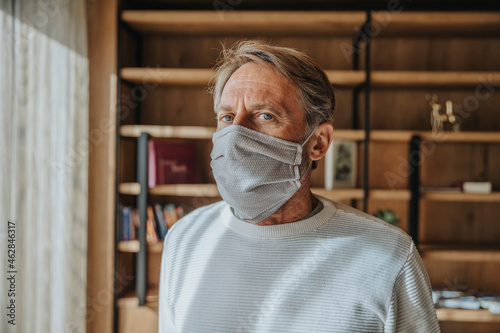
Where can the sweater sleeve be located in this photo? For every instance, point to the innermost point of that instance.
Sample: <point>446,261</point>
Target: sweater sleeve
<point>411,308</point>
<point>165,321</point>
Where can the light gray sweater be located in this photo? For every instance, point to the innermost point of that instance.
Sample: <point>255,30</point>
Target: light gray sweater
<point>338,271</point>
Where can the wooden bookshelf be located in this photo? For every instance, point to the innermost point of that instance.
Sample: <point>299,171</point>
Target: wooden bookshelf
<point>403,195</point>
<point>437,137</point>
<point>339,194</point>
<point>164,131</point>
<point>133,246</point>
<point>472,253</point>
<point>463,315</point>
<point>430,79</point>
<point>178,51</point>
<point>437,23</point>
<point>202,76</point>
<point>461,196</point>
<point>237,22</point>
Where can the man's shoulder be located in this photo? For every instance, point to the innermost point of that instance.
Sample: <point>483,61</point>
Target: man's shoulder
<point>198,218</point>
<point>351,222</point>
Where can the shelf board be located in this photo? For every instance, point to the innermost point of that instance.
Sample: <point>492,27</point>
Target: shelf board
<point>186,190</point>
<point>130,299</point>
<point>443,252</point>
<point>202,76</point>
<point>167,76</point>
<point>133,246</point>
<point>129,188</point>
<point>244,22</point>
<point>378,79</point>
<point>339,193</point>
<point>460,196</point>
<point>472,137</point>
<point>463,315</point>
<point>165,131</point>
<point>438,137</point>
<point>403,195</point>
<point>436,23</point>
<point>350,135</point>
<point>416,79</point>
<point>181,190</point>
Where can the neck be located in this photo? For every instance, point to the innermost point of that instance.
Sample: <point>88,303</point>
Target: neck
<point>301,204</point>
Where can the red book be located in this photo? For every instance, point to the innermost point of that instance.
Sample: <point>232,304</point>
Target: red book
<point>171,163</point>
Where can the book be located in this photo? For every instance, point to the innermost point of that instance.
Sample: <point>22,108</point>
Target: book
<point>170,215</point>
<point>160,221</point>
<point>171,162</point>
<point>477,187</point>
<point>125,224</point>
<point>151,236</point>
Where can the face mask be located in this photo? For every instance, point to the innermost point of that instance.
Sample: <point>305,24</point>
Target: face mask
<point>256,173</point>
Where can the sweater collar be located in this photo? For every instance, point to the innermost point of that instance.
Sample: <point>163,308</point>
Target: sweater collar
<point>279,230</point>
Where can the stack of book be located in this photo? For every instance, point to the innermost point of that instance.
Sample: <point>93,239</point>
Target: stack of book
<point>160,218</point>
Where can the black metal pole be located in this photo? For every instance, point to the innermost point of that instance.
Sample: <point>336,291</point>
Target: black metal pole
<point>414,186</point>
<point>142,202</point>
<point>366,124</point>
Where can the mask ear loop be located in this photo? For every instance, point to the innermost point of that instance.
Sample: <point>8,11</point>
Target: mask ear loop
<point>308,164</point>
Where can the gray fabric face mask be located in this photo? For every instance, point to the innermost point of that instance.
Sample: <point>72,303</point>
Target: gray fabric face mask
<point>255,173</point>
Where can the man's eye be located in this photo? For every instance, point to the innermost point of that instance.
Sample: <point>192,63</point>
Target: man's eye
<point>227,118</point>
<point>266,116</point>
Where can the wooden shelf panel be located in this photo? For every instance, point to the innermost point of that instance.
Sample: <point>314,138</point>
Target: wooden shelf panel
<point>438,137</point>
<point>460,253</point>
<point>129,188</point>
<point>416,79</point>
<point>186,190</point>
<point>349,135</point>
<point>181,190</point>
<point>130,300</point>
<point>133,246</point>
<point>167,76</point>
<point>462,315</point>
<point>164,131</point>
<point>202,76</point>
<point>403,195</point>
<point>244,22</point>
<point>339,194</point>
<point>461,196</point>
<point>437,23</point>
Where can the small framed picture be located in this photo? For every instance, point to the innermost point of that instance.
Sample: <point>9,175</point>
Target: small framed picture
<point>344,163</point>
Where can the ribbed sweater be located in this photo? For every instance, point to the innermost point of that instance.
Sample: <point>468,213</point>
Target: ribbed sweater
<point>340,270</point>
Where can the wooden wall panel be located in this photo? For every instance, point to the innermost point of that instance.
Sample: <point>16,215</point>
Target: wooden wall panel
<point>459,222</point>
<point>101,25</point>
<point>446,163</point>
<point>203,51</point>
<point>443,54</point>
<point>408,109</point>
<point>388,165</point>
<point>481,276</point>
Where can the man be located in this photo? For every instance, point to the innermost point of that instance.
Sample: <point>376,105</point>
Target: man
<point>272,257</point>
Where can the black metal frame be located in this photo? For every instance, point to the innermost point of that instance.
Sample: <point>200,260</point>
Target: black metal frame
<point>141,261</point>
<point>414,187</point>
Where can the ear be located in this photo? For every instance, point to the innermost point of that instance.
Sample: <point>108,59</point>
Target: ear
<point>320,141</point>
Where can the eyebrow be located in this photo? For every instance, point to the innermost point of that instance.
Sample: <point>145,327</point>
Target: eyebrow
<point>257,107</point>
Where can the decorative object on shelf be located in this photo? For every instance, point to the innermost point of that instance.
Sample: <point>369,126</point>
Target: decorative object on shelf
<point>388,216</point>
<point>477,187</point>
<point>471,300</point>
<point>438,119</point>
<point>344,163</point>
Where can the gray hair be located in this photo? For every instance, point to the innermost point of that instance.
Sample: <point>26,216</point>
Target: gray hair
<point>316,92</point>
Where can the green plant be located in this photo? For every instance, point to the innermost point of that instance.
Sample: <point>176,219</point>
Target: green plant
<point>388,216</point>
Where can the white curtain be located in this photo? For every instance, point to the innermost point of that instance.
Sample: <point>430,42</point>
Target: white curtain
<point>44,162</point>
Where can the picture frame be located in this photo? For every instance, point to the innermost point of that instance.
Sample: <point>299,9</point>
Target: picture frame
<point>344,164</point>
